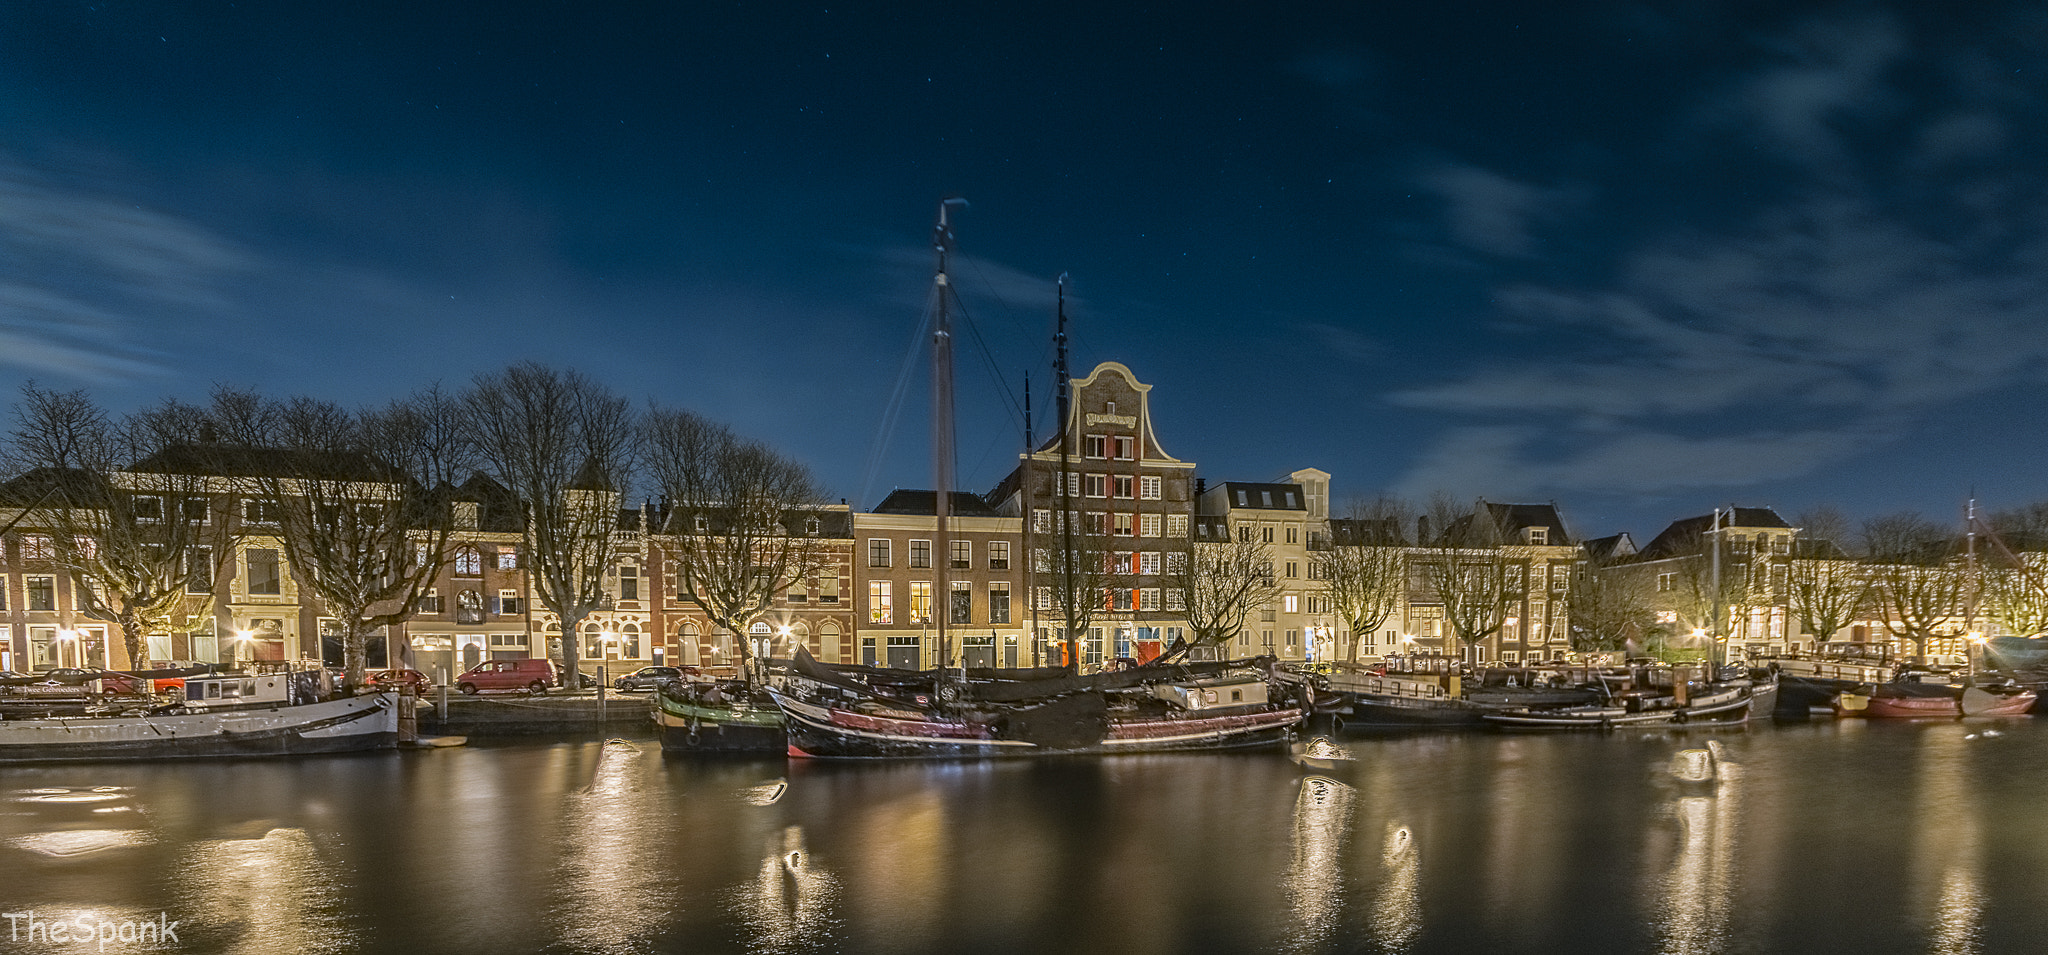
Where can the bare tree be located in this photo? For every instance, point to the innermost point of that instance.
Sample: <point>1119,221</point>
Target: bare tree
<point>742,527</point>
<point>127,539</point>
<point>1465,564</point>
<point>1608,609</point>
<point>1912,576</point>
<point>1366,566</point>
<point>356,498</point>
<point>564,445</point>
<point>1219,583</point>
<point>1077,570</point>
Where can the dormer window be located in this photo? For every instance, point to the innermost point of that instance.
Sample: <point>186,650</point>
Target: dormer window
<point>1539,535</point>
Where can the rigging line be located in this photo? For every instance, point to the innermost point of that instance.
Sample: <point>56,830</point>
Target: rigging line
<point>892,413</point>
<point>981,343</point>
<point>988,361</point>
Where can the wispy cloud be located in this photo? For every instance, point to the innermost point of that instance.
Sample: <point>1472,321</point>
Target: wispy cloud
<point>1490,212</point>
<point>1814,329</point>
<point>84,277</point>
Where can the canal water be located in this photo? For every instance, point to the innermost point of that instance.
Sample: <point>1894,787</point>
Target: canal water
<point>1819,838</point>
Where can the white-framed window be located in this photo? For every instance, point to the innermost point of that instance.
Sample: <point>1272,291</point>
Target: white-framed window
<point>880,610</point>
<point>1073,484</point>
<point>264,576</point>
<point>1098,523</point>
<point>148,509</point>
<point>920,602</point>
<point>920,553</point>
<point>1539,535</point>
<point>1041,520</point>
<point>469,562</point>
<point>508,558</point>
<point>1124,486</point>
<point>257,510</point>
<point>42,592</point>
<point>1176,525</point>
<point>1667,581</point>
<point>1126,447</point>
<point>963,554</point>
<point>1148,598</point>
<point>878,552</point>
<point>999,602</point>
<point>430,602</point>
<point>1148,487</point>
<point>999,555</point>
<point>1148,525</point>
<point>1122,525</point>
<point>1291,603</point>
<point>1094,446</point>
<point>509,603</point>
<point>1148,563</point>
<point>1097,485</point>
<point>38,547</point>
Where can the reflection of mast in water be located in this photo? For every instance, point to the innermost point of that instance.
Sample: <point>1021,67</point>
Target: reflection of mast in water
<point>1397,912</point>
<point>1315,888</point>
<point>1698,893</point>
<point>1951,852</point>
<point>789,904</point>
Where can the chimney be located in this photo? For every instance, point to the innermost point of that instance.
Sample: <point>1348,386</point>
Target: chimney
<point>1201,484</point>
<point>1422,529</point>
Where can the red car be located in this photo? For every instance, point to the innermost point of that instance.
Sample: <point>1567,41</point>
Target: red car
<point>395,678</point>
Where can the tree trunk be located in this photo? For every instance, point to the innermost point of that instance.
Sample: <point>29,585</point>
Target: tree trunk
<point>572,636</point>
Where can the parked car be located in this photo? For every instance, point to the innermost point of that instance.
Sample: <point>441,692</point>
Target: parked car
<point>646,678</point>
<point>395,678</point>
<point>109,680</point>
<point>532,675</point>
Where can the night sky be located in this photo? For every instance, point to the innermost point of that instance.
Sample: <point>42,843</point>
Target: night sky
<point>1640,260</point>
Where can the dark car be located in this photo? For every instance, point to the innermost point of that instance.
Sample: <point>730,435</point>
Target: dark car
<point>647,678</point>
<point>393,679</point>
<point>110,681</point>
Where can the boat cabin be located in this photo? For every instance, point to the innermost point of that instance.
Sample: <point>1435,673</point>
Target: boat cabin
<point>262,689</point>
<point>1221,693</point>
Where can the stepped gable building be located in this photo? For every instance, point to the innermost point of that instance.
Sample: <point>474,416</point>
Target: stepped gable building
<point>907,586</point>
<point>1106,475</point>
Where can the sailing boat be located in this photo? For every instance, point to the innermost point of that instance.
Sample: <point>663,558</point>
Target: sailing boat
<point>833,713</point>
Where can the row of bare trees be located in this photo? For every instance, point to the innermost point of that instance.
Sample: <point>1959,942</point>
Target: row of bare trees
<point>360,500</point>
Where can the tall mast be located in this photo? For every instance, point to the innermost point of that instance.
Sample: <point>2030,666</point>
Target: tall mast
<point>1714,628</point>
<point>1063,388</point>
<point>1029,596</point>
<point>942,434</point>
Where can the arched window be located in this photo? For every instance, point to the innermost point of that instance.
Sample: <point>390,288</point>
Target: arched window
<point>469,562</point>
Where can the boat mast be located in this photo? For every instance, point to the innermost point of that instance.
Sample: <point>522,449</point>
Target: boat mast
<point>942,434</point>
<point>1714,629</point>
<point>1070,583</point>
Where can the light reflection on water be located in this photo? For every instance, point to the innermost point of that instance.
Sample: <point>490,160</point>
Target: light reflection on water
<point>1315,876</point>
<point>1817,837</point>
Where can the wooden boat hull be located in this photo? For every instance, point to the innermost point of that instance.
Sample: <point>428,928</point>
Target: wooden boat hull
<point>1970,702</point>
<point>349,724</point>
<point>1720,710</point>
<point>824,732</point>
<point>689,728</point>
<point>1370,710</point>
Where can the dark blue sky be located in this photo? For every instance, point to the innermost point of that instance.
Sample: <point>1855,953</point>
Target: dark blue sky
<point>1637,259</point>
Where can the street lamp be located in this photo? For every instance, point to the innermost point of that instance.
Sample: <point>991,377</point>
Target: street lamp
<point>64,637</point>
<point>242,638</point>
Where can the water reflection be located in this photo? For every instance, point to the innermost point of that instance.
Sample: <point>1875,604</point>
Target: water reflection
<point>1315,879</point>
<point>1950,850</point>
<point>790,903</point>
<point>72,822</point>
<point>765,794</point>
<point>1697,890</point>
<point>278,893</point>
<point>614,855</point>
<point>1397,910</point>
